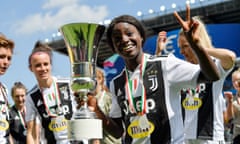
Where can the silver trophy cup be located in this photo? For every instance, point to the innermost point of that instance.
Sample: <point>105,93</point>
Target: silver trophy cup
<point>81,40</point>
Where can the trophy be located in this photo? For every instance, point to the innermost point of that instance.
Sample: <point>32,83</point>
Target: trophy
<point>81,40</point>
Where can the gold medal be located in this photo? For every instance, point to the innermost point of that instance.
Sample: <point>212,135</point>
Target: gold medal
<point>25,132</point>
<point>59,110</point>
<point>143,122</point>
<point>4,125</point>
<point>58,124</point>
<point>191,93</point>
<point>140,127</point>
<point>191,100</point>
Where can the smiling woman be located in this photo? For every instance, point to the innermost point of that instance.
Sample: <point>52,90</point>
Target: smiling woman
<point>6,52</point>
<point>51,100</point>
<point>18,129</point>
<point>144,94</point>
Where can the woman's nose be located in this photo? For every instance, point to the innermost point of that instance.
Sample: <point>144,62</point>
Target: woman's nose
<point>181,51</point>
<point>125,38</point>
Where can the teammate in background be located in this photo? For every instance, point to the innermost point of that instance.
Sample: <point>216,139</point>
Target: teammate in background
<point>161,42</point>
<point>145,101</point>
<point>6,52</point>
<point>50,100</point>
<point>104,99</point>
<point>204,106</point>
<point>18,127</point>
<point>233,107</point>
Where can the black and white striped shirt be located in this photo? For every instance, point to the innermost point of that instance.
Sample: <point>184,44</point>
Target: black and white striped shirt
<point>163,79</point>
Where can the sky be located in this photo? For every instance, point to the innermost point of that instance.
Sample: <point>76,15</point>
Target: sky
<point>28,21</point>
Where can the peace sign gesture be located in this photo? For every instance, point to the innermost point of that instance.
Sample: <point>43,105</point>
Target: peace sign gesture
<point>189,26</point>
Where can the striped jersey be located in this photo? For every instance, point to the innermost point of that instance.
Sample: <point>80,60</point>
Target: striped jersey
<point>54,126</point>
<point>162,79</point>
<point>203,109</point>
<point>17,126</point>
<point>4,115</point>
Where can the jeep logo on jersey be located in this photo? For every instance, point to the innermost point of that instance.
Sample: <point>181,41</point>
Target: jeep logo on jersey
<point>4,125</point>
<point>58,125</point>
<point>150,106</point>
<point>65,110</point>
<point>192,103</point>
<point>135,131</point>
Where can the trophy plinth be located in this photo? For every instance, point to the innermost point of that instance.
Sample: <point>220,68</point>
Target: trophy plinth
<point>81,40</point>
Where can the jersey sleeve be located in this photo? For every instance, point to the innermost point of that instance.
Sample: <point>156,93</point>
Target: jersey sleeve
<point>223,73</point>
<point>31,112</point>
<point>180,73</point>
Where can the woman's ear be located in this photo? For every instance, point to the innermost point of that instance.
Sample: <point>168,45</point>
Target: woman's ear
<point>30,68</point>
<point>142,41</point>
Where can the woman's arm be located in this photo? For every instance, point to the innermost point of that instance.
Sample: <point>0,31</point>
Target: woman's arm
<point>230,109</point>
<point>208,67</point>
<point>227,57</point>
<point>36,131</point>
<point>113,126</point>
<point>30,131</point>
<point>11,139</point>
<point>161,42</point>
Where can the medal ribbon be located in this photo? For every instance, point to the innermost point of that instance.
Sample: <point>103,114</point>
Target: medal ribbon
<point>4,94</point>
<point>6,105</point>
<point>50,97</point>
<point>132,84</point>
<point>22,120</point>
<point>192,92</point>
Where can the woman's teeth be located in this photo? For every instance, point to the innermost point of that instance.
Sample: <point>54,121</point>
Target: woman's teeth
<point>127,47</point>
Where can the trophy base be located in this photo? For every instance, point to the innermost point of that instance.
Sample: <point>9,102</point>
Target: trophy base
<point>80,129</point>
